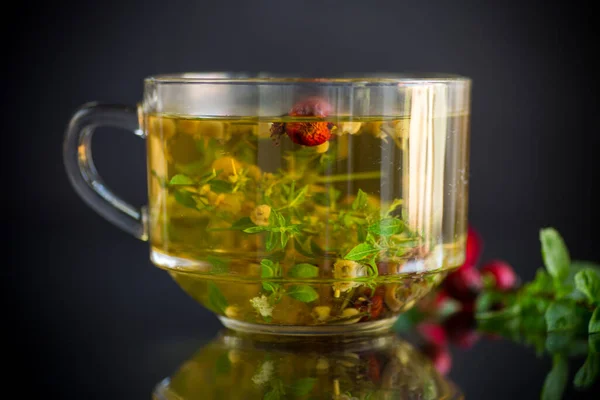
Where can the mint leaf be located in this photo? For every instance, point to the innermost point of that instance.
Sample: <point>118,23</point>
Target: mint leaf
<point>185,198</point>
<point>587,281</point>
<point>302,293</point>
<point>555,254</point>
<point>219,266</point>
<point>594,325</point>
<point>243,223</point>
<point>588,373</point>
<point>216,301</point>
<point>387,227</point>
<point>220,186</point>
<point>561,316</point>
<point>303,386</point>
<point>304,271</point>
<point>556,380</point>
<point>361,251</point>
<point>360,201</point>
<point>181,179</point>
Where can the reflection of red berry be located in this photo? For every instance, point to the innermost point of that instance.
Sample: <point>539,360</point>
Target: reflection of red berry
<point>460,328</point>
<point>463,284</point>
<point>503,274</point>
<point>373,369</point>
<point>311,107</point>
<point>474,248</point>
<point>376,306</point>
<point>440,356</point>
<point>433,333</point>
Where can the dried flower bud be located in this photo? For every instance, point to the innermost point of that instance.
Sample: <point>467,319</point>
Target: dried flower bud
<point>260,215</point>
<point>321,313</point>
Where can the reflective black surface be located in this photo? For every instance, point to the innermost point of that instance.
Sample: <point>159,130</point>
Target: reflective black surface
<point>96,327</point>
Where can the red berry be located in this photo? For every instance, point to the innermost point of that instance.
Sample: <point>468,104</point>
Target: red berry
<point>441,358</point>
<point>306,133</point>
<point>309,133</point>
<point>460,328</point>
<point>474,248</point>
<point>503,274</point>
<point>433,333</point>
<point>464,284</point>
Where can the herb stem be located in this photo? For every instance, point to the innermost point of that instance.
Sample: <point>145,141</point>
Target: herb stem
<point>349,177</point>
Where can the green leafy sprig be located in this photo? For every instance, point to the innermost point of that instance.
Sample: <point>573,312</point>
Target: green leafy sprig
<point>557,313</point>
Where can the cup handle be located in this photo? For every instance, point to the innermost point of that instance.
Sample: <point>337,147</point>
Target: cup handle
<point>77,156</point>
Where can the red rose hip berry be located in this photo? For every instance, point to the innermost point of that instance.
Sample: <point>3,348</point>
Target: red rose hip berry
<point>502,273</point>
<point>306,133</point>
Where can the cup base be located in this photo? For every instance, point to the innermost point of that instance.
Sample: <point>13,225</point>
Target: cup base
<point>323,330</point>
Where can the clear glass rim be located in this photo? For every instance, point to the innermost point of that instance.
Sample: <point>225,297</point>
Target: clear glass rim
<point>351,79</point>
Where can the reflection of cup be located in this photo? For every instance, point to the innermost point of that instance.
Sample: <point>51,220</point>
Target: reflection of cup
<point>290,205</point>
<point>234,366</point>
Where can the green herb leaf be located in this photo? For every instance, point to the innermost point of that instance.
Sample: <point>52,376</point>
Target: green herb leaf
<point>193,168</point>
<point>185,198</point>
<point>302,293</point>
<point>303,386</point>
<point>589,372</point>
<point>220,186</point>
<point>284,239</point>
<point>272,240</point>
<point>267,268</point>
<point>304,271</point>
<point>216,301</point>
<point>181,179</point>
<point>299,197</point>
<point>219,266</point>
<point>561,315</point>
<point>588,282</point>
<point>360,201</point>
<point>559,341</point>
<point>594,324</point>
<point>387,227</point>
<point>594,342</point>
<point>555,254</point>
<point>361,251</point>
<point>255,229</point>
<point>556,380</point>
<point>243,223</point>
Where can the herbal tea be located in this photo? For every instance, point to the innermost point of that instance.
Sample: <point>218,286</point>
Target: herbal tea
<point>309,218</point>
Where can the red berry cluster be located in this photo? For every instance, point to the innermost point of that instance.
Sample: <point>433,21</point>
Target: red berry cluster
<point>458,293</point>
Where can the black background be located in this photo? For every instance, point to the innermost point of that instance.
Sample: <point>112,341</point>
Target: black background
<point>93,319</point>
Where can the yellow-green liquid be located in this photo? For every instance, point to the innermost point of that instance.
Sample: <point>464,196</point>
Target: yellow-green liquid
<point>267,233</point>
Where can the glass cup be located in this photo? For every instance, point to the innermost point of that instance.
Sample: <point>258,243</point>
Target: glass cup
<point>294,205</point>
